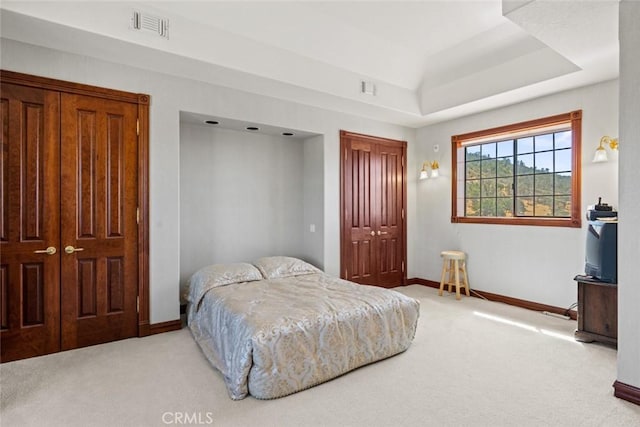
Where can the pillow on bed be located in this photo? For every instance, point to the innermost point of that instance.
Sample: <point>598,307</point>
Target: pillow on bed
<point>217,275</point>
<point>275,267</point>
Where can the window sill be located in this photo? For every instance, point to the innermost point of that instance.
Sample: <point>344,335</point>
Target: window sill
<point>541,222</point>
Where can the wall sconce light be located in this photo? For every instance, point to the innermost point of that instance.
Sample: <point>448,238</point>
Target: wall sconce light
<point>424,174</point>
<point>435,169</point>
<point>601,152</point>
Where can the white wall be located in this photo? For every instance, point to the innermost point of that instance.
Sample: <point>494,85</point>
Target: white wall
<point>241,197</point>
<point>531,263</point>
<point>313,191</point>
<point>169,96</point>
<point>629,226</point>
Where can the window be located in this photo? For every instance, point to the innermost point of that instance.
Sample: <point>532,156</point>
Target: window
<point>526,173</point>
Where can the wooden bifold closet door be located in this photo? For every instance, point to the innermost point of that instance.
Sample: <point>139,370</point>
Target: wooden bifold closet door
<point>373,203</point>
<point>69,262</point>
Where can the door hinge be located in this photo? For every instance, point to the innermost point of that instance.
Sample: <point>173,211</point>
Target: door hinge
<point>403,214</point>
<point>138,304</point>
<point>403,266</point>
<point>346,276</point>
<point>138,127</point>
<point>137,215</point>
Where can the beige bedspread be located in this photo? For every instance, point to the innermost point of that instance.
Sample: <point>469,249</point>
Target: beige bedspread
<point>271,338</point>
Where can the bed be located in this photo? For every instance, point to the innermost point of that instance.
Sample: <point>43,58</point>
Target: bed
<point>281,325</point>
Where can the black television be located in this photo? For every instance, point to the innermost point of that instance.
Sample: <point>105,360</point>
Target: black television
<point>601,257</point>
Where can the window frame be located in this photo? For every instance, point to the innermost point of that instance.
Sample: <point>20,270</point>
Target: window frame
<point>574,120</point>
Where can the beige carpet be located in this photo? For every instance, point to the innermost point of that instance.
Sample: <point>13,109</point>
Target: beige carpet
<point>473,363</point>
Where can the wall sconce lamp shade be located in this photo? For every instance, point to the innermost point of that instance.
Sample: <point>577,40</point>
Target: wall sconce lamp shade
<point>423,173</point>
<point>435,170</point>
<point>601,152</point>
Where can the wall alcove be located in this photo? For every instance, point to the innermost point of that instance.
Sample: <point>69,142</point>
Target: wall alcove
<point>245,194</point>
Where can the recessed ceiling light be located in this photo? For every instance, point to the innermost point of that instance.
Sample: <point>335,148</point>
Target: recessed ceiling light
<point>252,128</point>
<point>211,122</point>
<point>287,133</point>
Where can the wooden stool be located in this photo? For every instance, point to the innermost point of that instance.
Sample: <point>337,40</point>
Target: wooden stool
<point>454,262</point>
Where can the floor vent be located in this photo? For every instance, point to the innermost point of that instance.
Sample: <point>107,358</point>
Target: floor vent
<point>149,23</point>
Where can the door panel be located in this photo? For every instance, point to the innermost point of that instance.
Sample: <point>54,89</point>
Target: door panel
<point>391,241</point>
<point>373,198</point>
<point>115,284</point>
<point>360,211</point>
<point>362,268</point>
<point>98,216</point>
<point>30,222</point>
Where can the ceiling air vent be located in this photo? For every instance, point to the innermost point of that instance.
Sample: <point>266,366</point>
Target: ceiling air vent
<point>368,88</point>
<point>149,23</point>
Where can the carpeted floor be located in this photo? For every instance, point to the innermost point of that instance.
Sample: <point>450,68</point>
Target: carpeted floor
<point>473,363</point>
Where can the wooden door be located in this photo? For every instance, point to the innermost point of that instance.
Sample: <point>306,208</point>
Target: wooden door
<point>73,174</point>
<point>373,198</point>
<point>29,224</point>
<point>390,215</point>
<point>98,215</point>
<point>359,212</point>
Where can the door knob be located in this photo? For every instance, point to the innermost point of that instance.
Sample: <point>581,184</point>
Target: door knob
<point>70,249</point>
<point>373,233</point>
<point>49,251</point>
<point>382,232</point>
